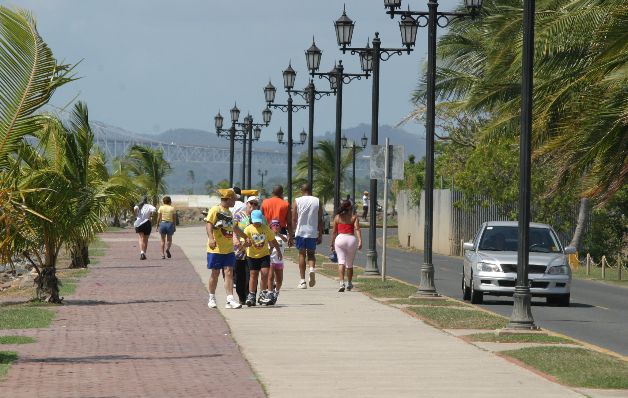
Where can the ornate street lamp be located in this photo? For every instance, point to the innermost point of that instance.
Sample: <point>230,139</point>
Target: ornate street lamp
<point>289,75</point>
<point>431,18</point>
<point>240,134</point>
<point>370,58</point>
<point>344,29</point>
<point>313,57</point>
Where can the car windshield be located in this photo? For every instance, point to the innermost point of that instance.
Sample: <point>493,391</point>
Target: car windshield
<point>506,238</point>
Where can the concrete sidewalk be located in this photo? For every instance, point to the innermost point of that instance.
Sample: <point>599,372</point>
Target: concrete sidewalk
<point>321,343</point>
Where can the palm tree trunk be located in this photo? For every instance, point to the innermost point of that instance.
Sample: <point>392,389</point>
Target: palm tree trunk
<point>47,282</point>
<point>79,253</point>
<point>582,219</point>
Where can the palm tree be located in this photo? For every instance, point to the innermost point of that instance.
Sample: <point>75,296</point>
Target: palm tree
<point>581,94</point>
<point>149,169</point>
<point>29,74</point>
<point>324,165</point>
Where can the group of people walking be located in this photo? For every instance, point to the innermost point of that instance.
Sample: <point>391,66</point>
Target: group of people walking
<point>246,242</point>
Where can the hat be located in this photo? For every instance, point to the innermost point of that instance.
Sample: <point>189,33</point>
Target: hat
<point>257,216</point>
<point>226,193</point>
<point>252,199</point>
<point>275,222</point>
<point>366,192</point>
<point>238,192</point>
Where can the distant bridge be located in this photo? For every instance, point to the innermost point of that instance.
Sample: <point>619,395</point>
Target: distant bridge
<point>114,145</point>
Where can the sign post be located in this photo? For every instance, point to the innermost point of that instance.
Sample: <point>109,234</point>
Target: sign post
<point>386,163</point>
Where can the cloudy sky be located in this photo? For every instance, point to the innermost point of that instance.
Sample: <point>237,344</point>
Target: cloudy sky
<point>154,65</point>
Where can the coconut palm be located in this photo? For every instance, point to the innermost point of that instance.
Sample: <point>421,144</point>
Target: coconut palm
<point>149,169</point>
<point>581,85</point>
<point>324,165</point>
<point>29,74</point>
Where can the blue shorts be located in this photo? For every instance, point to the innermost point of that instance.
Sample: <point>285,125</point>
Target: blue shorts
<point>305,243</point>
<point>166,228</point>
<point>220,261</point>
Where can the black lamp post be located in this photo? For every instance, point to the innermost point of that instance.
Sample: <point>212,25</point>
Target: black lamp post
<point>262,174</point>
<point>431,18</point>
<point>370,58</point>
<point>290,107</point>
<point>234,134</point>
<point>364,141</point>
<point>521,317</point>
<point>254,132</point>
<point>337,79</point>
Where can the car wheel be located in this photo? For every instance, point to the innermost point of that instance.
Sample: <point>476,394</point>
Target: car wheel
<point>559,301</point>
<point>476,297</point>
<point>466,292</point>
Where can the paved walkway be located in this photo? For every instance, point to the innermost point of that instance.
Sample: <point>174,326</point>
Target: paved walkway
<point>321,343</point>
<point>133,329</point>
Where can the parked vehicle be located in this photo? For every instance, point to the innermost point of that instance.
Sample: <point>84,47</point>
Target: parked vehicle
<point>490,263</point>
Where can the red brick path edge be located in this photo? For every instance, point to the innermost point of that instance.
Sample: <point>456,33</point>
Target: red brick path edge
<point>133,329</point>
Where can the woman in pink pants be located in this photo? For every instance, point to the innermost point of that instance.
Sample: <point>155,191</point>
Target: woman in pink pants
<point>346,239</point>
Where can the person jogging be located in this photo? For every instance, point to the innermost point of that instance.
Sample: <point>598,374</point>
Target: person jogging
<point>260,236</point>
<point>220,253</point>
<point>166,225</point>
<point>143,211</point>
<point>346,240</point>
<point>307,215</point>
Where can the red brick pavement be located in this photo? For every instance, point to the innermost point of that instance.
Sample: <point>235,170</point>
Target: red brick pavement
<point>133,329</point>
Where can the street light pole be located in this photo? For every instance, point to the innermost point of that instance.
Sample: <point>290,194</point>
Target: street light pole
<point>353,148</point>
<point>243,183</point>
<point>310,139</point>
<point>262,174</point>
<point>370,62</point>
<point>337,142</point>
<point>521,317</point>
<point>432,18</point>
<point>232,133</point>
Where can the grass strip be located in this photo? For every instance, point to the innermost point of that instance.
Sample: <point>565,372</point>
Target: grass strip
<point>456,318</point>
<point>519,338</point>
<point>388,288</point>
<point>611,275</point>
<point>6,358</point>
<point>17,340</point>
<point>575,367</point>
<point>429,302</point>
<point>25,317</point>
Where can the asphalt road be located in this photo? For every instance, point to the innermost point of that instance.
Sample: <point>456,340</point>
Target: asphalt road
<point>598,313</point>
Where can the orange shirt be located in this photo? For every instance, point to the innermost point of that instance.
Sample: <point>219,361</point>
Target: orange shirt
<point>275,209</point>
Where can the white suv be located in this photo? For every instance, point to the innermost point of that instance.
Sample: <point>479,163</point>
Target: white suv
<point>490,263</point>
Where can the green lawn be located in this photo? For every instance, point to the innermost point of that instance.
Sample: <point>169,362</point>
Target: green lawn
<point>519,338</point>
<point>388,288</point>
<point>17,340</point>
<point>25,317</point>
<point>576,367</point>
<point>6,358</point>
<point>429,302</point>
<point>456,318</point>
<point>611,275</point>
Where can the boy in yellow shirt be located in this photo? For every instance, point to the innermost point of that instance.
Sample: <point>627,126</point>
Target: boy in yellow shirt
<point>258,256</point>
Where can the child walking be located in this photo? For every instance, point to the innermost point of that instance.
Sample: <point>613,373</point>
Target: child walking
<point>260,236</point>
<point>346,239</point>
<point>275,273</point>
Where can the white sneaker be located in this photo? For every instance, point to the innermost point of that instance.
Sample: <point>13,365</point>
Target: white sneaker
<point>342,287</point>
<point>312,277</point>
<point>302,285</point>
<point>231,303</point>
<point>212,302</point>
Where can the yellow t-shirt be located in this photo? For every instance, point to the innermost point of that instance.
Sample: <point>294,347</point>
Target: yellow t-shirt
<point>222,220</point>
<point>167,213</point>
<point>260,236</point>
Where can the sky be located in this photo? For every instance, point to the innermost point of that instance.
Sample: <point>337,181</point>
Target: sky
<point>153,65</point>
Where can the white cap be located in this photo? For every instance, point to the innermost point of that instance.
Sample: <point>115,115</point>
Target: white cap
<point>252,199</point>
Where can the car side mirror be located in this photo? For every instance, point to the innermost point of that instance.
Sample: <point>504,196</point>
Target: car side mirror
<point>467,246</point>
<point>570,250</point>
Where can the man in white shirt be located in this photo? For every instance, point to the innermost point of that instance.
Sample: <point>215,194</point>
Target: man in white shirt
<point>307,215</point>
<point>365,205</point>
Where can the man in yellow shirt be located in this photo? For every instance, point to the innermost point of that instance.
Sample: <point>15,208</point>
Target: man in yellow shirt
<point>220,254</point>
<point>258,256</point>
